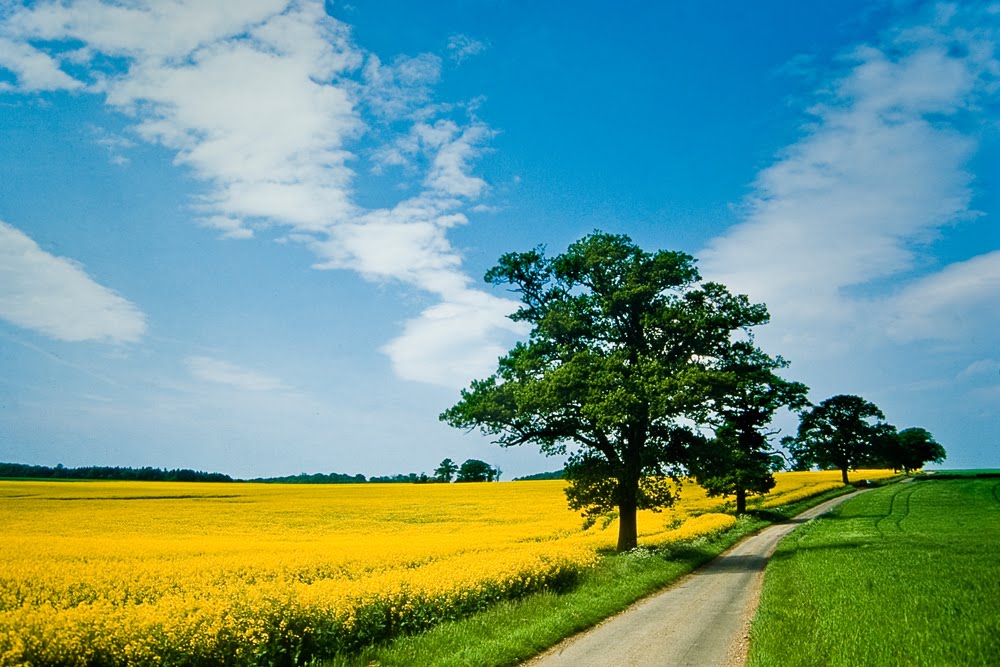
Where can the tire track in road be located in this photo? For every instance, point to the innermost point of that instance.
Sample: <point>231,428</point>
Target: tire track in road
<point>703,620</point>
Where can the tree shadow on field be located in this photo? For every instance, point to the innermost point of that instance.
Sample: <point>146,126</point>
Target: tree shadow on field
<point>769,515</point>
<point>847,545</point>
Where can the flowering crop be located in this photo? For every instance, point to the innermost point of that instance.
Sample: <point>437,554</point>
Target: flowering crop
<point>117,573</point>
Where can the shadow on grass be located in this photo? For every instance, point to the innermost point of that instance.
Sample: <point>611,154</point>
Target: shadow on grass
<point>829,547</point>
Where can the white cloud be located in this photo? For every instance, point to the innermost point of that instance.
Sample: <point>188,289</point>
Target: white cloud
<point>223,372</point>
<point>461,47</point>
<point>265,102</point>
<point>876,176</point>
<point>245,92</point>
<point>115,144</point>
<point>454,149</point>
<point>980,368</point>
<point>155,29</point>
<point>398,90</point>
<point>455,341</point>
<point>35,70</point>
<point>55,297</point>
<point>955,303</point>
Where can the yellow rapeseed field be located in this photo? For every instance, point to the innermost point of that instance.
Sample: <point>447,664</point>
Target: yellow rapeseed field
<point>117,573</point>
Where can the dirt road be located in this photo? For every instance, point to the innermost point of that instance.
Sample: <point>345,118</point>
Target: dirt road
<point>700,621</point>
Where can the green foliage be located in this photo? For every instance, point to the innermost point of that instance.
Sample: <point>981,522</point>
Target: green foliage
<point>402,478</point>
<point>611,373</point>
<point>911,449</point>
<point>474,470</point>
<point>445,471</point>
<point>744,394</point>
<point>315,478</point>
<point>842,432</point>
<point>23,471</point>
<point>903,575</point>
<point>555,474</point>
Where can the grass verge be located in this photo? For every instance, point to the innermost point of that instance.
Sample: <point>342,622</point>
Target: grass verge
<point>904,575</point>
<point>512,632</point>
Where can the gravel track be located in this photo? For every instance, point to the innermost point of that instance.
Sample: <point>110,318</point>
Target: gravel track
<point>701,621</point>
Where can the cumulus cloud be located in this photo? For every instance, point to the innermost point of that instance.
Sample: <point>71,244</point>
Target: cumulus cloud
<point>217,371</point>
<point>454,341</point>
<point>54,296</point>
<point>880,170</point>
<point>266,102</point>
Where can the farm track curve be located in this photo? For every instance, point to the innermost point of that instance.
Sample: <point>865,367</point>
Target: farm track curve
<point>703,620</point>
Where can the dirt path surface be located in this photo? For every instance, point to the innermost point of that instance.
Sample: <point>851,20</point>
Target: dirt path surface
<point>701,621</point>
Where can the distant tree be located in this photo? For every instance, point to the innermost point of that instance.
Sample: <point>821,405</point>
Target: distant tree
<point>555,474</point>
<point>744,394</point>
<point>911,449</point>
<point>407,478</point>
<point>617,336</point>
<point>105,472</point>
<point>445,472</point>
<point>798,458</point>
<point>842,432</point>
<point>474,470</point>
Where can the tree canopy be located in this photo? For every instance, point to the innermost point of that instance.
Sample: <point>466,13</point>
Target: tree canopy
<point>474,470</point>
<point>744,395</point>
<point>842,432</point>
<point>445,471</point>
<point>911,449</point>
<point>610,373</point>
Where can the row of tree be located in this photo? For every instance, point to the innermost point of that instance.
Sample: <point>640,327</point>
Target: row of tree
<point>847,432</point>
<point>24,471</point>
<point>472,470</point>
<point>638,372</point>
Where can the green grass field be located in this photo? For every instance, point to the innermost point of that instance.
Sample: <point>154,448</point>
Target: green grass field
<point>904,575</point>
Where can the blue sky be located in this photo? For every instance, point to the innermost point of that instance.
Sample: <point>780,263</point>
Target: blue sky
<point>249,236</point>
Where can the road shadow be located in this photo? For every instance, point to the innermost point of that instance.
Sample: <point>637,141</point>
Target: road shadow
<point>731,564</point>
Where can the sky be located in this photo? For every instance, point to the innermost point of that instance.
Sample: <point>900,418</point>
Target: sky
<point>249,236</point>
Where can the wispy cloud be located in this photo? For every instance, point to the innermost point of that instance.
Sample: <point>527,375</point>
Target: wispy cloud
<point>981,368</point>
<point>267,103</point>
<point>225,373</point>
<point>54,296</point>
<point>954,303</point>
<point>461,47</point>
<point>847,211</point>
<point>114,144</point>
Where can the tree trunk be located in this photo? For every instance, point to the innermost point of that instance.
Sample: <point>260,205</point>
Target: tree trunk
<point>843,472</point>
<point>628,533</point>
<point>741,501</point>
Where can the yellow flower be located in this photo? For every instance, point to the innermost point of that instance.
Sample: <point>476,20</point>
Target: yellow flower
<point>140,572</point>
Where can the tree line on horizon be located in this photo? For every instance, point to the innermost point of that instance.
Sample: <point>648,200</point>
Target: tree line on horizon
<point>639,373</point>
<point>472,470</point>
<point>146,474</point>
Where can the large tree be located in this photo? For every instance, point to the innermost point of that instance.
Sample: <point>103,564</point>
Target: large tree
<point>911,449</point>
<point>610,372</point>
<point>474,470</point>
<point>842,432</point>
<point>745,393</point>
